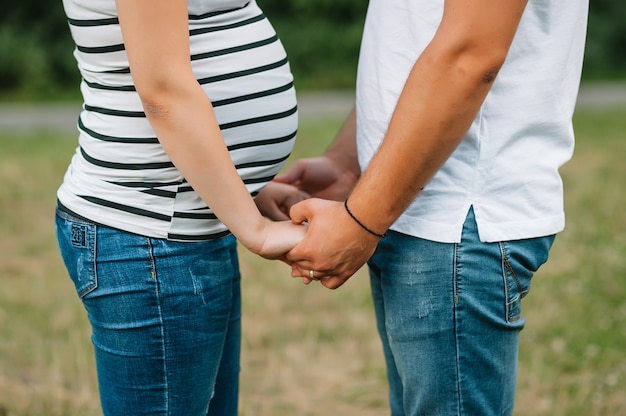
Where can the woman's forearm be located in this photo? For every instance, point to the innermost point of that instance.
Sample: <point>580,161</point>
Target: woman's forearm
<point>181,114</point>
<point>189,133</point>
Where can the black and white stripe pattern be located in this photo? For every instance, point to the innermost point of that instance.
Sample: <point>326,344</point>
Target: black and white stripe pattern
<point>120,176</point>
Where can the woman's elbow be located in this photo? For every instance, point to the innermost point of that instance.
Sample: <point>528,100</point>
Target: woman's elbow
<point>159,94</point>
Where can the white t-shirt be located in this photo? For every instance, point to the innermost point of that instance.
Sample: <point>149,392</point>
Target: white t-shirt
<point>507,165</point>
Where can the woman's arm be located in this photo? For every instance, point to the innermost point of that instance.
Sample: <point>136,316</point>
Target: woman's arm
<point>156,38</point>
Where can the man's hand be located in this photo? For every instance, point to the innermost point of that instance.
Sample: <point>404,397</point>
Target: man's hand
<point>320,177</point>
<point>334,247</point>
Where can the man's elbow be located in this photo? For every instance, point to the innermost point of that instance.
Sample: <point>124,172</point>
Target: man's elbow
<point>489,74</point>
<point>483,67</point>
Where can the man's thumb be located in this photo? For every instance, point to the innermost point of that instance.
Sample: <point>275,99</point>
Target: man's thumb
<point>292,175</point>
<point>301,212</point>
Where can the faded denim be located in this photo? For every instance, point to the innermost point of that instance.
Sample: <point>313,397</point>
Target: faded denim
<point>449,317</point>
<point>165,318</point>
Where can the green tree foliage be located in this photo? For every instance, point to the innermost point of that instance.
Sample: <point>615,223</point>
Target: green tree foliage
<point>322,39</point>
<point>36,50</point>
<point>322,57</point>
<point>605,55</point>
<point>340,11</point>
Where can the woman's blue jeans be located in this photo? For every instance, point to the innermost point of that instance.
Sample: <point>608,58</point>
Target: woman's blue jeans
<point>165,318</point>
<point>449,316</point>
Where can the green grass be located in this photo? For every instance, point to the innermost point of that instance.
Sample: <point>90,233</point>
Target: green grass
<point>572,352</point>
<point>307,350</point>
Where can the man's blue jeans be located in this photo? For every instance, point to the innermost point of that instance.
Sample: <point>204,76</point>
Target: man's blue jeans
<point>449,316</point>
<point>165,318</point>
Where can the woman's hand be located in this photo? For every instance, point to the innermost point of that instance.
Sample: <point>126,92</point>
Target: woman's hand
<point>277,239</point>
<point>276,199</point>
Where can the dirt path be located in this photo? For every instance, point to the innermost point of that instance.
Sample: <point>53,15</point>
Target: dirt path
<point>62,116</point>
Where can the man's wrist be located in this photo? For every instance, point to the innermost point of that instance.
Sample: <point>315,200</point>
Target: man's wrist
<point>363,226</point>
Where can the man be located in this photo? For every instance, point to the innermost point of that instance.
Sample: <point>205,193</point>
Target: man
<point>446,175</point>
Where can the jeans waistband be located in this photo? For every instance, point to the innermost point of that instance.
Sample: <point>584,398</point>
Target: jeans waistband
<point>63,212</point>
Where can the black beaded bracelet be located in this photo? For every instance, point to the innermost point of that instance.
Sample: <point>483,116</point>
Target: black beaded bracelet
<point>345,204</point>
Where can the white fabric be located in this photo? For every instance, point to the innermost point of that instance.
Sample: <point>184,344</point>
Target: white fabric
<point>121,176</point>
<point>507,165</point>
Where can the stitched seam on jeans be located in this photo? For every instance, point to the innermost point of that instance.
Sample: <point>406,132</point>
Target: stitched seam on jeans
<point>456,273</point>
<point>455,269</point>
<point>157,293</point>
<point>508,266</point>
<point>505,285</point>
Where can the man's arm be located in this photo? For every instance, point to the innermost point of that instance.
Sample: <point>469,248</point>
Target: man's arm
<point>441,98</point>
<point>443,93</point>
<point>332,175</point>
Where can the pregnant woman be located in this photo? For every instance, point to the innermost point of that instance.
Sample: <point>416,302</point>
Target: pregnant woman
<point>189,112</point>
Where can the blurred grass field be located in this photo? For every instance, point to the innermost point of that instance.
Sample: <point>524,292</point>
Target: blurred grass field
<point>308,351</point>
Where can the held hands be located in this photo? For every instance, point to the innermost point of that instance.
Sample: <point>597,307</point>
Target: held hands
<point>335,246</point>
<point>274,202</point>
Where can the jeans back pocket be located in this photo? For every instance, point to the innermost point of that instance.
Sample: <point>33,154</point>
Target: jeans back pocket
<point>520,260</point>
<point>77,243</point>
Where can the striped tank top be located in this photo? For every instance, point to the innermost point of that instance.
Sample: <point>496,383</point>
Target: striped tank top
<point>120,176</point>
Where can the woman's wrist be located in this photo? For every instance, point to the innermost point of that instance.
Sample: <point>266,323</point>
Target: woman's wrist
<point>253,235</point>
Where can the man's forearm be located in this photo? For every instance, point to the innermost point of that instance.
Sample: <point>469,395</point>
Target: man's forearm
<point>442,95</point>
<point>343,149</point>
